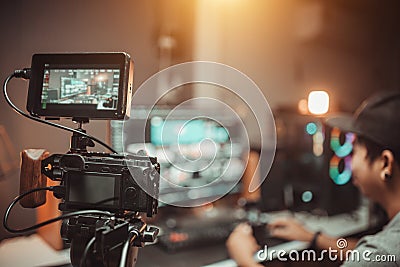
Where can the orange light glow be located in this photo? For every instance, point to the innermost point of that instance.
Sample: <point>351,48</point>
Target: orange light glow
<point>302,106</point>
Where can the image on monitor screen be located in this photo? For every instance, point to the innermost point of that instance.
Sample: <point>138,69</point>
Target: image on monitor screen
<point>97,87</point>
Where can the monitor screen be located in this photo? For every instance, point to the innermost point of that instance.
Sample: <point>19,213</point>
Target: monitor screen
<point>81,85</point>
<point>201,157</point>
<point>81,189</point>
<point>178,131</point>
<point>90,86</point>
<point>311,170</point>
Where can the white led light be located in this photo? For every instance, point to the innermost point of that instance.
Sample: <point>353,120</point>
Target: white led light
<point>318,102</point>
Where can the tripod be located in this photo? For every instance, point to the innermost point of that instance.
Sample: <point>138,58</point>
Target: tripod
<point>98,241</point>
<point>106,242</point>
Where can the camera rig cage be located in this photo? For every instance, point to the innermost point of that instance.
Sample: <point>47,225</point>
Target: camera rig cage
<point>102,194</point>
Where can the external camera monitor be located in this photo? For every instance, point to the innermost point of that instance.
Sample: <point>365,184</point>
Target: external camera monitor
<point>81,85</point>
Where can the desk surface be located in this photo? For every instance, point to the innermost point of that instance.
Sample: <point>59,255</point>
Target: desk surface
<point>155,256</point>
<point>341,225</point>
<point>216,255</point>
<point>37,253</point>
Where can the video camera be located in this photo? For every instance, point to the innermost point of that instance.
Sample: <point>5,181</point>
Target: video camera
<point>85,86</point>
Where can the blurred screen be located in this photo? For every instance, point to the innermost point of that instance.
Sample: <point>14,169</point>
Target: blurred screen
<point>312,167</point>
<point>193,152</point>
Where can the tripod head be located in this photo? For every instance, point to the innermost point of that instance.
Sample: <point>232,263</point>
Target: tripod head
<point>106,242</point>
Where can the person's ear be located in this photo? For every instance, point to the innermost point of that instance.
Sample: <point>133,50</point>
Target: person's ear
<point>388,162</point>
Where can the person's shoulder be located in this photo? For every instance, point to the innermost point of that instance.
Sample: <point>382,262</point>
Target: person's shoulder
<point>382,248</point>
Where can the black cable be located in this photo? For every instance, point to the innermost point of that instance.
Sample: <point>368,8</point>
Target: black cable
<point>18,74</point>
<point>82,262</point>
<point>36,226</point>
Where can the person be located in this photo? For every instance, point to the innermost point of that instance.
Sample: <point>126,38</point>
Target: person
<point>375,172</point>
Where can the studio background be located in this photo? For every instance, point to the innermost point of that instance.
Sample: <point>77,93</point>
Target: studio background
<point>350,48</point>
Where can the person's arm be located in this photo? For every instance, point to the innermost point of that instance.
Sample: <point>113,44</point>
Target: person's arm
<point>242,245</point>
<point>291,229</point>
<point>324,241</point>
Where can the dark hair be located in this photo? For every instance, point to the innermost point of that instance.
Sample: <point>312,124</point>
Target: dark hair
<point>374,149</point>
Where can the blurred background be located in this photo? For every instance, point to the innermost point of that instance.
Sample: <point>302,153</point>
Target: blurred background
<point>348,48</point>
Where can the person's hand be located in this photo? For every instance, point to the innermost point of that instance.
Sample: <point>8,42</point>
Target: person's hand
<point>242,245</point>
<point>290,229</point>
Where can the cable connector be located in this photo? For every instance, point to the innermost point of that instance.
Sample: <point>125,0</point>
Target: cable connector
<point>24,73</point>
<point>58,191</point>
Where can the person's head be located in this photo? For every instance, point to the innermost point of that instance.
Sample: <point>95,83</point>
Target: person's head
<point>376,152</point>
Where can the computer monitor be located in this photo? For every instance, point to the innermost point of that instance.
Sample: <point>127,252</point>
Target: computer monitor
<point>201,157</point>
<point>311,170</point>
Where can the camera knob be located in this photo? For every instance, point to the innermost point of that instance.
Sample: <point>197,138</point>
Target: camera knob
<point>150,234</point>
<point>130,193</point>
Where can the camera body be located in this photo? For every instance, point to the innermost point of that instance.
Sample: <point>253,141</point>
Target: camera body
<point>110,182</point>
